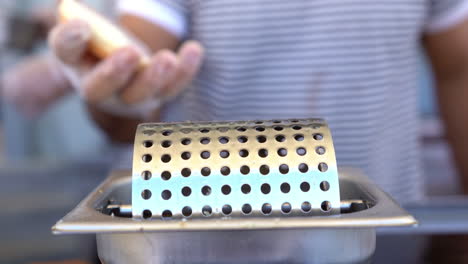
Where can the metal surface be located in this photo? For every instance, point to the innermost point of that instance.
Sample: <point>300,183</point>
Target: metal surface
<point>261,246</point>
<point>88,218</point>
<point>304,239</point>
<point>436,215</point>
<point>237,169</point>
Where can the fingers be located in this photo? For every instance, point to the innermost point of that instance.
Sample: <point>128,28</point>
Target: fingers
<point>166,74</point>
<point>161,69</point>
<point>190,59</point>
<point>69,41</point>
<point>111,75</point>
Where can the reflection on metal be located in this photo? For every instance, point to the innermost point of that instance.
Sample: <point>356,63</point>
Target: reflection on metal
<point>254,239</point>
<point>234,169</point>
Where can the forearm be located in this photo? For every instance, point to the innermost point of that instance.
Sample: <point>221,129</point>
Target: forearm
<point>453,95</point>
<point>448,53</point>
<point>122,129</point>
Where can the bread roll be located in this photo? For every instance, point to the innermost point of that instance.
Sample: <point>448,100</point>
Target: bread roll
<point>106,37</point>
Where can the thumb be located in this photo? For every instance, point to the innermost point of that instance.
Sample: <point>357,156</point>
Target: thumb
<point>69,41</point>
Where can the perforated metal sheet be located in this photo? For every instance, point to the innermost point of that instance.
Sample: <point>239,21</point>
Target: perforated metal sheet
<point>234,169</point>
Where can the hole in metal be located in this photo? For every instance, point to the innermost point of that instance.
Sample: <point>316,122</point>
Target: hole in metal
<point>227,209</point>
<point>303,168</point>
<point>186,141</point>
<point>242,139</point>
<point>263,153</point>
<point>147,214</point>
<point>205,141</point>
<point>167,133</point>
<point>146,175</point>
<point>324,186</point>
<point>147,158</point>
<point>260,129</point>
<point>186,155</point>
<point>306,207</point>
<point>318,136</point>
<point>265,188</point>
<point>294,121</point>
<point>226,189</point>
<point>297,127</point>
<point>148,144</point>
<point>223,129</point>
<point>166,214</point>
<point>264,169</point>
<point>266,209</point>
<point>259,122</point>
<point>223,140</point>
<point>320,150</point>
<point>280,138</point>
<point>246,189</point>
<point>186,172</point>
<point>284,169</point>
<point>166,175</point>
<point>241,129</point>
<point>207,211</point>
<point>186,130</point>
<point>299,137</point>
<point>166,195</point>
<point>246,209</point>
<point>186,191</point>
<point>286,208</point>
<point>204,130</point>
<point>206,190</point>
<point>244,153</point>
<point>279,128</point>
<point>205,155</point>
<point>206,171</point>
<point>146,194</point>
<point>301,151</point>
<point>285,187</point>
<point>245,170</point>
<point>224,154</point>
<point>261,139</point>
<point>166,158</point>
<point>323,167</point>
<point>166,143</point>
<point>276,121</point>
<point>305,187</point>
<point>325,206</point>
<point>149,132</point>
<point>282,152</point>
<point>187,211</point>
<point>225,171</point>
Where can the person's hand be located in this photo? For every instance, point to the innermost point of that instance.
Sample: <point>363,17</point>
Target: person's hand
<point>33,85</point>
<point>166,74</point>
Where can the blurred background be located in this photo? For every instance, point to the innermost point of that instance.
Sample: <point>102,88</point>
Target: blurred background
<point>47,165</point>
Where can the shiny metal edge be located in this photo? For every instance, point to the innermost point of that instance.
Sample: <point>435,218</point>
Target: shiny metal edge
<point>85,219</point>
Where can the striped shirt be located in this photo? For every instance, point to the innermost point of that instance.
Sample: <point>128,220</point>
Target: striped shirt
<point>352,62</point>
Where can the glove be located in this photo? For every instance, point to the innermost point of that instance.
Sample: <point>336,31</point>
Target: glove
<point>34,84</point>
<point>119,84</point>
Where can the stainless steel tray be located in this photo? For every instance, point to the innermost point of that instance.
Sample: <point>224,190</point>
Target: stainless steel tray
<point>345,238</point>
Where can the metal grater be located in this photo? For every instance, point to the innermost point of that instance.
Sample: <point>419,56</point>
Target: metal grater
<point>234,169</point>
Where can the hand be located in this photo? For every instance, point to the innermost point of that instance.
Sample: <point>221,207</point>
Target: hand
<point>166,74</point>
<point>34,84</point>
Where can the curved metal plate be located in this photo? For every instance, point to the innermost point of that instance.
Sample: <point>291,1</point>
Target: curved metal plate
<point>234,169</point>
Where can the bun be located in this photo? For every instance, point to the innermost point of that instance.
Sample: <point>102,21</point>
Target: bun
<point>106,37</point>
